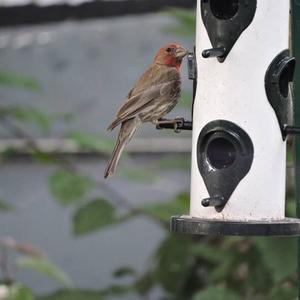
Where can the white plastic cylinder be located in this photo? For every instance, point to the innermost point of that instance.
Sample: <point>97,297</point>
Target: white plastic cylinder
<point>234,91</point>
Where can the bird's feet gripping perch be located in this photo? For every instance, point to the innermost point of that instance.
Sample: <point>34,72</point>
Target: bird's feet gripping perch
<point>177,124</point>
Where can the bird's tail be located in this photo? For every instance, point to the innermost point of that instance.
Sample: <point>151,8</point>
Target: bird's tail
<point>127,130</point>
<point>112,164</point>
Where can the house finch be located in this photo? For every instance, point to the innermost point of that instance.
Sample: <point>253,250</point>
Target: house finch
<point>153,96</point>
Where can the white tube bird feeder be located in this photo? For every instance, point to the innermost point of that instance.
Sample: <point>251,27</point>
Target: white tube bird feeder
<point>240,120</point>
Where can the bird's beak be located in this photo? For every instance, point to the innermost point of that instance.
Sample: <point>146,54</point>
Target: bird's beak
<point>181,52</point>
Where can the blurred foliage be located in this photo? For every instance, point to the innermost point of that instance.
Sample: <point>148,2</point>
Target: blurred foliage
<point>73,295</point>
<point>92,143</point>
<point>43,266</point>
<point>15,292</point>
<point>188,267</point>
<point>68,187</point>
<point>273,251</point>
<point>31,258</point>
<point>5,206</point>
<point>93,216</point>
<point>216,294</point>
<point>163,210</point>
<point>80,294</point>
<point>32,116</point>
<point>124,271</point>
<point>15,80</point>
<point>25,256</point>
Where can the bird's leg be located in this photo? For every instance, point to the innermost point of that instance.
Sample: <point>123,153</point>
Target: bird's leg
<point>176,123</point>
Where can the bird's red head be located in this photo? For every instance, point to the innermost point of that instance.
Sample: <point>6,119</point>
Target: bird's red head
<point>170,55</point>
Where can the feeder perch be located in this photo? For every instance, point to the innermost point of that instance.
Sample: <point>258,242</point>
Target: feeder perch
<point>240,120</point>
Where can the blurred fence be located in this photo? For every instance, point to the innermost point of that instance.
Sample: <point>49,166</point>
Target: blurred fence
<point>44,11</point>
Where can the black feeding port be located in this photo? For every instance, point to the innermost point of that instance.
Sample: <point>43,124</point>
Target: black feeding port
<point>284,80</point>
<point>278,77</point>
<point>225,21</point>
<point>224,9</point>
<point>224,156</point>
<point>221,153</point>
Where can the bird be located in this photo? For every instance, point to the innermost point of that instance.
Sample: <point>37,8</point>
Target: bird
<point>154,95</point>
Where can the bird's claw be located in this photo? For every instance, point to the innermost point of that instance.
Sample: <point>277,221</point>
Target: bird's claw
<point>177,123</point>
<point>158,126</point>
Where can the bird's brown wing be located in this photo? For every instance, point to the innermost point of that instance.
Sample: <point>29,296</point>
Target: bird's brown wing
<point>137,103</point>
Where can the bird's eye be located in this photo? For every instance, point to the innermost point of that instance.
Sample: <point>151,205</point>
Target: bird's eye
<point>169,50</point>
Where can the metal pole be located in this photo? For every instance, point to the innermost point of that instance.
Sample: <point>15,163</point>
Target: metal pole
<point>296,53</point>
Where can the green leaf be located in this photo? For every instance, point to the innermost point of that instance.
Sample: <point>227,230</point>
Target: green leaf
<point>68,187</point>
<point>43,157</point>
<point>116,290</point>
<point>32,116</point>
<point>43,266</point>
<point>186,100</point>
<point>211,253</point>
<point>81,294</point>
<point>73,295</point>
<point>221,259</point>
<point>163,211</point>
<point>8,153</point>
<point>280,292</point>
<point>146,282</point>
<point>16,80</point>
<point>124,271</point>
<point>174,263</point>
<point>215,293</point>
<point>279,255</point>
<point>5,206</point>
<point>18,292</point>
<point>93,216</point>
<point>92,142</point>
